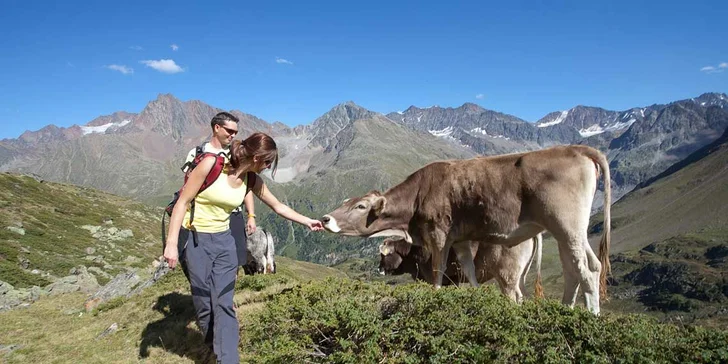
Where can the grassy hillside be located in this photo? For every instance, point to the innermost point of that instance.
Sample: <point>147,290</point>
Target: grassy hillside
<point>46,229</point>
<point>690,198</point>
<point>300,316</point>
<point>157,325</point>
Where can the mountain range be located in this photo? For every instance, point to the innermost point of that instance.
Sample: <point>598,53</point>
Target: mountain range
<point>350,150</point>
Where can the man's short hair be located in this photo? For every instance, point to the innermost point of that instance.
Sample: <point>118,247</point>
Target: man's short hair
<point>221,118</point>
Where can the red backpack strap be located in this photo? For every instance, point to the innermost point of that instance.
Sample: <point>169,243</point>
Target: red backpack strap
<point>214,173</point>
<point>211,177</point>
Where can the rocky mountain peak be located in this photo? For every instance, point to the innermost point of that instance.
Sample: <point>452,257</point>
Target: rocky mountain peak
<point>339,117</point>
<point>712,99</point>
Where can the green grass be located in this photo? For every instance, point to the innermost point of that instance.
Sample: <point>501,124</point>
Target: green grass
<point>52,215</point>
<point>156,326</point>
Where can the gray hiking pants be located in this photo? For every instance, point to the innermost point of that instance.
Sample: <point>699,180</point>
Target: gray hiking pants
<point>212,265</point>
<point>237,227</point>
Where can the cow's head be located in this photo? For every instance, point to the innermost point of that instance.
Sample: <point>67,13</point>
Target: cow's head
<point>356,215</point>
<point>392,253</point>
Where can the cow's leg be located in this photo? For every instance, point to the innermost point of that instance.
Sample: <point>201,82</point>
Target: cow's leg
<point>591,295</point>
<point>439,265</point>
<point>464,253</point>
<point>579,270</point>
<point>439,251</point>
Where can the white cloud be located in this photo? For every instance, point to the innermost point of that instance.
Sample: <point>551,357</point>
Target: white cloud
<point>163,65</point>
<point>280,60</point>
<point>174,47</point>
<point>714,69</point>
<point>479,96</point>
<point>121,68</point>
<point>136,48</point>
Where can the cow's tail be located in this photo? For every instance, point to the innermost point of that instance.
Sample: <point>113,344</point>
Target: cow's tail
<point>538,252</point>
<point>601,160</point>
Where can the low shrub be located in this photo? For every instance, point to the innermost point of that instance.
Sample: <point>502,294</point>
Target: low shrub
<point>346,321</point>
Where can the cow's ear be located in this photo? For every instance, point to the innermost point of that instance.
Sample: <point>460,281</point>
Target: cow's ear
<point>378,205</point>
<point>384,248</point>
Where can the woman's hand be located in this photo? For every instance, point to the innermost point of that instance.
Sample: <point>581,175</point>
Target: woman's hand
<point>250,225</point>
<point>171,254</point>
<point>314,225</point>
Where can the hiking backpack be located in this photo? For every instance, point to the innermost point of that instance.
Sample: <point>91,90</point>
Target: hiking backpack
<point>211,177</point>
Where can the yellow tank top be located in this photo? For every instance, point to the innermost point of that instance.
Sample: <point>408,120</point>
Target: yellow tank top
<point>215,204</point>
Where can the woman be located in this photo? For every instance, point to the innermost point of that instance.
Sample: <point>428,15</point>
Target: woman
<point>211,254</point>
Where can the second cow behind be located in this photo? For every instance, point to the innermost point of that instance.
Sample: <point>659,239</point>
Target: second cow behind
<point>508,266</point>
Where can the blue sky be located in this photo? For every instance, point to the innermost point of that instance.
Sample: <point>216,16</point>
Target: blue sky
<point>66,64</point>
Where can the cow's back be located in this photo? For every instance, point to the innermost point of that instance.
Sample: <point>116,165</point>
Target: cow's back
<point>479,197</point>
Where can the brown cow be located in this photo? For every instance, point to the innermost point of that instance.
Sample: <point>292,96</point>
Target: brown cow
<point>509,266</point>
<point>503,199</point>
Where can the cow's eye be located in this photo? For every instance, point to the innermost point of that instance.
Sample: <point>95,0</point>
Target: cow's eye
<point>361,207</point>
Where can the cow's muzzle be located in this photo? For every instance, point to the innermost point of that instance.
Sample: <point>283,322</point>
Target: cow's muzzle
<point>330,224</point>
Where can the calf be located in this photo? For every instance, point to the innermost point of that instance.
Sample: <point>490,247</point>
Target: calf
<point>509,266</point>
<point>504,199</point>
<point>261,251</point>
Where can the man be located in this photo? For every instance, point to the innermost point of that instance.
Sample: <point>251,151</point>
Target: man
<point>224,128</point>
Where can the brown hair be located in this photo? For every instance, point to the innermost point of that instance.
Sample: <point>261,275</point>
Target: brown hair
<point>259,145</point>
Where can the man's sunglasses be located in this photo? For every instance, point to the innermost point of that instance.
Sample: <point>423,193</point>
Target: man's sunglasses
<point>232,132</point>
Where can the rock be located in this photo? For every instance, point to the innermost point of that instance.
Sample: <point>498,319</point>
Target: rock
<point>61,288</point>
<point>120,286</point>
<point>24,249</point>
<point>91,228</point>
<point>159,272</point>
<point>125,234</point>
<point>12,298</point>
<point>79,280</point>
<point>90,250</point>
<point>108,221</point>
<point>7,349</point>
<point>110,330</point>
<point>5,287</point>
<point>35,271</point>
<point>17,230</point>
<point>37,292</point>
<point>72,311</point>
<point>112,231</point>
<point>100,272</point>
<point>24,262</point>
<point>23,294</point>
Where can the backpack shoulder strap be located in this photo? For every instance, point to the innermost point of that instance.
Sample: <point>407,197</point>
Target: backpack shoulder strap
<point>214,173</point>
<point>191,164</point>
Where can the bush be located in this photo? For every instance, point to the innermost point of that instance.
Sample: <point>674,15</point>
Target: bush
<point>259,282</point>
<point>345,321</point>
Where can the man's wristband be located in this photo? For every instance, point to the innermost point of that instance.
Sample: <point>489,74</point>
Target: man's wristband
<point>251,215</point>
